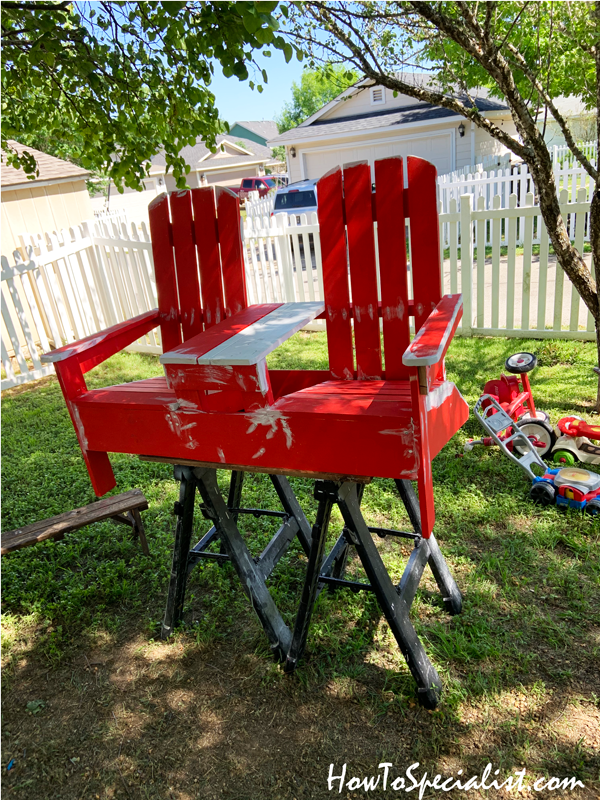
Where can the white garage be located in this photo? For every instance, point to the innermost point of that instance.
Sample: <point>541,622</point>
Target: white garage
<point>437,148</point>
<point>368,122</point>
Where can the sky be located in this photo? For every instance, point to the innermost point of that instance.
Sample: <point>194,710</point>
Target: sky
<point>236,101</point>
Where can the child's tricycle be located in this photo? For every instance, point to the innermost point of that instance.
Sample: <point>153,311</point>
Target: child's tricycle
<point>513,394</point>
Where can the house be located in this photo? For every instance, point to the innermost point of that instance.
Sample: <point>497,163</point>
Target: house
<point>259,131</point>
<point>235,159</point>
<point>366,123</point>
<point>57,198</point>
<point>580,120</point>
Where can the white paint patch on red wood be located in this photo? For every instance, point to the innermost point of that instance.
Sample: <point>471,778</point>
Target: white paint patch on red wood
<point>254,343</point>
<point>272,418</point>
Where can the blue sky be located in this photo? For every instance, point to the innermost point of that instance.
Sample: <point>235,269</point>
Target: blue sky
<point>237,101</point>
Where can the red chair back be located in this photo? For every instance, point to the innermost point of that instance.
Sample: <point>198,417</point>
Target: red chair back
<point>198,261</point>
<point>348,209</point>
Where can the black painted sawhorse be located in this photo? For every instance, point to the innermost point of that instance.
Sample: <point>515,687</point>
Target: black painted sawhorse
<point>395,601</point>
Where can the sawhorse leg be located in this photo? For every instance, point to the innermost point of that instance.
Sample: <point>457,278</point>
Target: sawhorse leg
<point>183,536</point>
<point>394,606</point>
<point>253,572</point>
<point>443,577</point>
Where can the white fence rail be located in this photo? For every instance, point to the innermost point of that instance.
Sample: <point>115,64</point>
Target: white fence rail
<point>79,281</point>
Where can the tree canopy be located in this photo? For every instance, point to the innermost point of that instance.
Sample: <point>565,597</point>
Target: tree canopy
<point>317,87</point>
<point>113,83</point>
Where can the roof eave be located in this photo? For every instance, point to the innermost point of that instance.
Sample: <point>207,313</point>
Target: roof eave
<point>367,131</point>
<point>10,187</point>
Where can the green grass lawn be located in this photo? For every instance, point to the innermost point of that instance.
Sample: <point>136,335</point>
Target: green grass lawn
<point>103,709</point>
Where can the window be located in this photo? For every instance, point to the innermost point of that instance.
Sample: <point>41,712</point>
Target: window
<point>378,96</point>
<point>295,199</point>
<point>247,183</point>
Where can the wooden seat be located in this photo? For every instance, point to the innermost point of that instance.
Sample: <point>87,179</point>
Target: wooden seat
<point>383,408</point>
<point>123,508</point>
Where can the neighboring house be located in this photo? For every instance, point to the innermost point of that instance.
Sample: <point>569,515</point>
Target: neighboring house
<point>581,122</point>
<point>56,199</point>
<point>367,123</point>
<point>259,132</point>
<point>236,158</point>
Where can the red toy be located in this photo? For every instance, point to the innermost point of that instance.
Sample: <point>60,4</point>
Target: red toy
<point>513,393</point>
<point>220,407</point>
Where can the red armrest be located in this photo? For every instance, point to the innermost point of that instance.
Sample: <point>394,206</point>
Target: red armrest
<point>102,345</point>
<point>433,339</point>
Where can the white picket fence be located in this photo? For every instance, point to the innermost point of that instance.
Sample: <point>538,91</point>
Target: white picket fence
<point>512,294</point>
<point>72,284</point>
<point>485,164</point>
<point>77,282</point>
<point>257,206</point>
<point>562,155</point>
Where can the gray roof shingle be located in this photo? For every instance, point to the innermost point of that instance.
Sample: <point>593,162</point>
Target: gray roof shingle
<point>419,112</point>
<point>50,167</point>
<point>193,154</point>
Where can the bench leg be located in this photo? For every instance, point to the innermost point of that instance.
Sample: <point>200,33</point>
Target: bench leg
<point>394,607</point>
<point>138,528</point>
<point>443,577</point>
<point>183,536</point>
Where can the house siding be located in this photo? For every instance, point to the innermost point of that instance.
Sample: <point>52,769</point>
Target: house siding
<point>360,103</point>
<point>39,209</point>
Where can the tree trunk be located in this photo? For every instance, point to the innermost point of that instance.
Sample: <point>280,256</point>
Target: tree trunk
<point>595,244</point>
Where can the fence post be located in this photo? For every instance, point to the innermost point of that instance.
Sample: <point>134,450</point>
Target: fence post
<point>466,262</point>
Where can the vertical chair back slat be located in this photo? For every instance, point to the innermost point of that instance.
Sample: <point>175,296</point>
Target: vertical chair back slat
<point>164,267</point>
<point>424,237</point>
<point>346,201</point>
<point>207,243</point>
<point>335,276</point>
<point>234,282</point>
<point>391,239</point>
<point>198,259</point>
<point>363,270</point>
<point>190,304</point>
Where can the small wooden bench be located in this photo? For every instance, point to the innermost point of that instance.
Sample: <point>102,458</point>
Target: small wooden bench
<point>122,508</point>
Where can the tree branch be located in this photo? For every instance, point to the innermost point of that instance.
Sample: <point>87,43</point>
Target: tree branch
<point>524,67</point>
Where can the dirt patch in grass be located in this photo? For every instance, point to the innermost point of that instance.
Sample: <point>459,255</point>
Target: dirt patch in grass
<point>137,718</point>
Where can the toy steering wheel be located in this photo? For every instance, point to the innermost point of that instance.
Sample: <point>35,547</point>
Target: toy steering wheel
<point>520,362</point>
<point>566,425</point>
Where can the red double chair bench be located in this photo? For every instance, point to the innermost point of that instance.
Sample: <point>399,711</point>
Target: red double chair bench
<point>383,409</point>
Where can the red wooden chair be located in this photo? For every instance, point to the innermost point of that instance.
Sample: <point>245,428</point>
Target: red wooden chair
<point>383,409</point>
